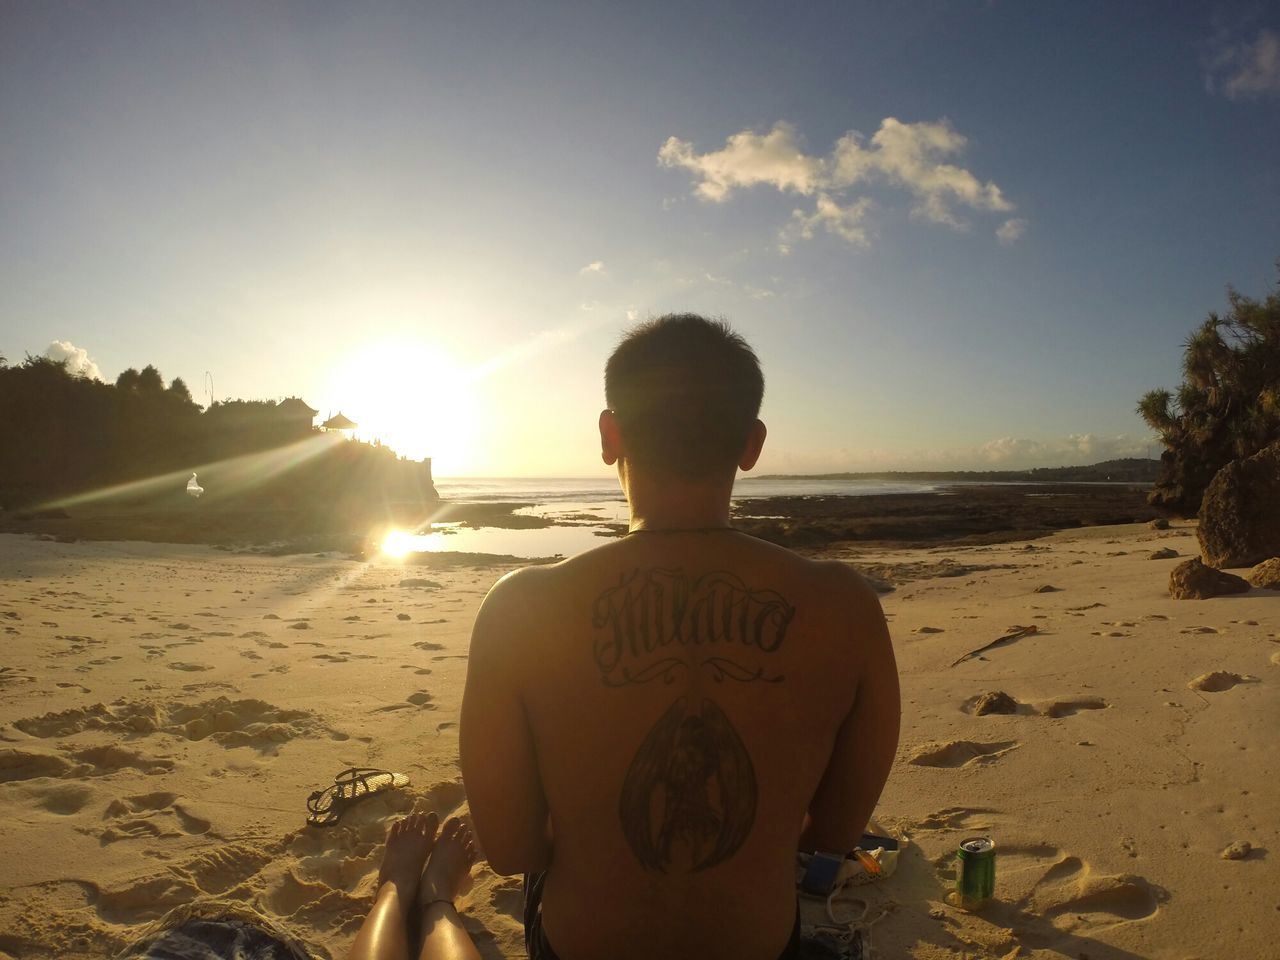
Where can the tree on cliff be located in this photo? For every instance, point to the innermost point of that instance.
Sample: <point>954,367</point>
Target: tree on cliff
<point>1228,405</point>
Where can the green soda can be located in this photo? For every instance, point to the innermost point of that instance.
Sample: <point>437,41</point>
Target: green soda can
<point>975,872</point>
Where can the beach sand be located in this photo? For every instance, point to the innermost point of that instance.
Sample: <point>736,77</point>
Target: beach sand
<point>165,711</point>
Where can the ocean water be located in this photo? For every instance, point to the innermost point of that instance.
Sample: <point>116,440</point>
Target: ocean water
<point>605,489</point>
<point>584,509</point>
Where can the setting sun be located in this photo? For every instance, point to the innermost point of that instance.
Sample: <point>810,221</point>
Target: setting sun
<point>403,393</point>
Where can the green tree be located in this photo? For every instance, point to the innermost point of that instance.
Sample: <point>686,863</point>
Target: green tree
<point>128,380</point>
<point>1228,405</point>
<point>178,389</point>
<point>149,381</point>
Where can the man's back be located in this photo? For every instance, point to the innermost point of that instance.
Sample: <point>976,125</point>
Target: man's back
<point>677,703</point>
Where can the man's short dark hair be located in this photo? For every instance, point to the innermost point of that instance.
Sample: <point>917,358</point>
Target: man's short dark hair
<point>686,392</point>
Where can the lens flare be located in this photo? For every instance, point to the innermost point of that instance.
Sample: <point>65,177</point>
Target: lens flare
<point>397,544</point>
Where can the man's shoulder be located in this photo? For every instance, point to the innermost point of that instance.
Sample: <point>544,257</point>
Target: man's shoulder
<point>525,584</point>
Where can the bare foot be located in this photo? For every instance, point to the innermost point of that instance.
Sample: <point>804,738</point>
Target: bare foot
<point>409,841</point>
<point>448,872</point>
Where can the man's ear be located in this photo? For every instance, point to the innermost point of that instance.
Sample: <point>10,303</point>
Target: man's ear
<point>610,438</point>
<point>755,443</point>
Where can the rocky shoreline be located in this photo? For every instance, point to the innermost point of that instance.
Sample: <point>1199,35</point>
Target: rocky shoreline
<point>960,514</point>
<point>963,514</point>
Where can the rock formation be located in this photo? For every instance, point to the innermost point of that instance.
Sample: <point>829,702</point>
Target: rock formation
<point>1240,514</point>
<point>1266,574</point>
<point>1192,580</point>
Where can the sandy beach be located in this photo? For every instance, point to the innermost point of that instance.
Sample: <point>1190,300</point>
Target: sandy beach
<point>167,709</point>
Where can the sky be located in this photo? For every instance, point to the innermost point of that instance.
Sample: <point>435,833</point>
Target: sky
<point>960,235</point>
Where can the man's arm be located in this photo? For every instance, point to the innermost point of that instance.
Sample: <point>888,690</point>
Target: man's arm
<point>499,762</point>
<point>868,738</point>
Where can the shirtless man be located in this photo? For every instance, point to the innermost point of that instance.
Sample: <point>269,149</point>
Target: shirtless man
<point>651,729</point>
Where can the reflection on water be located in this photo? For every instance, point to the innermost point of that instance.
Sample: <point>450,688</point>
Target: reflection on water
<point>546,542</point>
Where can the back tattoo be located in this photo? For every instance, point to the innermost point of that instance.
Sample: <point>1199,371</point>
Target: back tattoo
<point>688,800</point>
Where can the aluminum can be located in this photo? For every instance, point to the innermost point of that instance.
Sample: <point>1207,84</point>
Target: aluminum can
<point>975,872</point>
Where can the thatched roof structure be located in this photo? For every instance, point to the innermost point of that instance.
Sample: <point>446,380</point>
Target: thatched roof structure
<point>339,422</point>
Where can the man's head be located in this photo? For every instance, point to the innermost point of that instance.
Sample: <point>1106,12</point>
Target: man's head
<point>684,392</point>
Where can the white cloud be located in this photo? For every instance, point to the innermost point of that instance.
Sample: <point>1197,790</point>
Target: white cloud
<point>1072,450</point>
<point>845,222</point>
<point>747,159</point>
<point>915,157</point>
<point>1011,230</point>
<point>595,266</point>
<point>1004,449</point>
<point>75,359</point>
<point>1247,69</point>
<point>911,155</point>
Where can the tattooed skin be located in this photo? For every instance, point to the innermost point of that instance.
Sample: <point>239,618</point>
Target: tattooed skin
<point>656,622</point>
<point>689,798</point>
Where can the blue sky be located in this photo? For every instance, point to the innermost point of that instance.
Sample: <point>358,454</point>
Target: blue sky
<point>959,234</point>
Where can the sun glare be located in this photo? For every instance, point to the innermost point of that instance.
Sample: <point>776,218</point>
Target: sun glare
<point>410,397</point>
<point>397,544</point>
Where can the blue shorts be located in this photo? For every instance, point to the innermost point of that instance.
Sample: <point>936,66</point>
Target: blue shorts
<point>538,947</point>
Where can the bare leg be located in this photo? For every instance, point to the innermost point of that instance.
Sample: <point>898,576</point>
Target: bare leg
<point>448,875</point>
<point>384,935</point>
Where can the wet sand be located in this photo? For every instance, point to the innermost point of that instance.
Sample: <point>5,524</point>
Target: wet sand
<point>167,709</point>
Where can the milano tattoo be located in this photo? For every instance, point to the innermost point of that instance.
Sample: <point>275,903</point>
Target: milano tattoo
<point>689,795</point>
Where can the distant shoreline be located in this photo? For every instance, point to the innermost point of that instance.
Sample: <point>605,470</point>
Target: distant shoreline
<point>965,513</point>
<point>1110,471</point>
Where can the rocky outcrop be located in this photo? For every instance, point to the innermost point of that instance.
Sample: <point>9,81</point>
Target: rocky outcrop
<point>1192,580</point>
<point>1266,574</point>
<point>1240,514</point>
<point>1164,553</point>
<point>1159,523</point>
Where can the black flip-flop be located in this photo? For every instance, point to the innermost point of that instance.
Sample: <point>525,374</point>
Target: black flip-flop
<point>350,786</point>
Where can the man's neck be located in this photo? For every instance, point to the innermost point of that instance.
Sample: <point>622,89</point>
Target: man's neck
<point>667,504</point>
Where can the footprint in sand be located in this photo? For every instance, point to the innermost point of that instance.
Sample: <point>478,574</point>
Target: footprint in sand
<point>189,667</point>
<point>1093,901</point>
<point>957,818</point>
<point>10,675</point>
<point>1198,630</point>
<point>150,815</point>
<point>1071,895</point>
<point>1218,680</point>
<point>959,753</point>
<point>16,765</point>
<point>63,799</point>
<point>428,645</point>
<point>1070,706</point>
<point>421,699</point>
<point>231,723</point>
<point>108,759</point>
